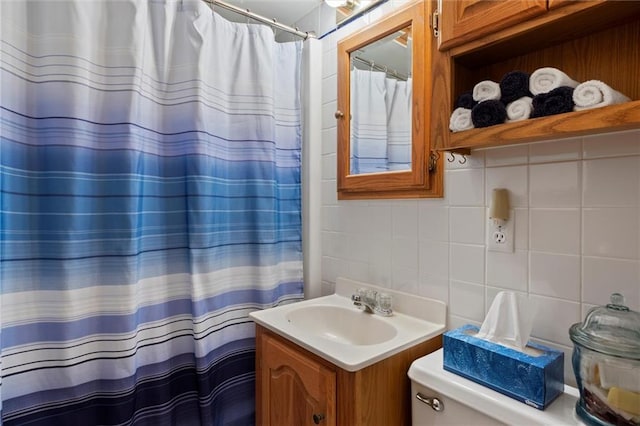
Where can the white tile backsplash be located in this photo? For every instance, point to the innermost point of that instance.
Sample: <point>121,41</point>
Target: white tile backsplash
<point>404,219</point>
<point>612,182</point>
<point>603,276</point>
<point>465,187</point>
<point>508,270</point>
<point>555,230</point>
<point>404,252</point>
<point>521,217</point>
<point>329,165</point>
<point>329,138</point>
<point>577,225</point>
<point>612,144</point>
<point>330,89</point>
<point>329,62</point>
<point>466,263</point>
<point>555,184</point>
<point>466,300</point>
<point>507,156</point>
<point>610,232</point>
<point>553,319</point>
<point>434,259</point>
<point>555,275</point>
<point>564,150</point>
<point>467,224</point>
<point>433,222</point>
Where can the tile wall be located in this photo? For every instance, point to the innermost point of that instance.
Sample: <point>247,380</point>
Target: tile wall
<point>577,225</point>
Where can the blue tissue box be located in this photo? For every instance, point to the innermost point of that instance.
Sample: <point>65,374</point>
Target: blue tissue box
<point>534,380</point>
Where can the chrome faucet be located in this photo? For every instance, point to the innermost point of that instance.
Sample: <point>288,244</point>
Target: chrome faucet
<point>373,302</point>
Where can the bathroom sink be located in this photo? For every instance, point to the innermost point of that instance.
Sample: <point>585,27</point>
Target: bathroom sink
<point>336,330</point>
<point>341,324</point>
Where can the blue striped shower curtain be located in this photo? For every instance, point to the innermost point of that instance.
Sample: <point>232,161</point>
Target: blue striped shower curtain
<point>150,199</point>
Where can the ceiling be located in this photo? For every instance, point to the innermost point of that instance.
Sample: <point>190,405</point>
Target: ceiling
<point>284,11</point>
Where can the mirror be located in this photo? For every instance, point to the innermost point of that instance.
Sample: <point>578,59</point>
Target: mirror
<point>380,105</point>
<point>383,113</point>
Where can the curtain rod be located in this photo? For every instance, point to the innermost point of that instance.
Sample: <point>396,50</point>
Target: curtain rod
<point>272,22</point>
<point>384,69</point>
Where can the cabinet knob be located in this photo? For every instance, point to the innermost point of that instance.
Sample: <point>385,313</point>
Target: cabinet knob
<point>317,418</point>
<point>338,114</point>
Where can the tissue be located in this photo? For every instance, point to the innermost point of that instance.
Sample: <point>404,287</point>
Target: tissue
<point>499,356</point>
<point>509,321</point>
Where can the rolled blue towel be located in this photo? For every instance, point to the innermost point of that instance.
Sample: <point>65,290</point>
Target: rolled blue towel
<point>557,101</point>
<point>514,85</point>
<point>465,100</point>
<point>488,113</point>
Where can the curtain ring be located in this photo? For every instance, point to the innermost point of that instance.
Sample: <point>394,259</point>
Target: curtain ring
<point>451,157</point>
<point>373,64</point>
<point>463,159</point>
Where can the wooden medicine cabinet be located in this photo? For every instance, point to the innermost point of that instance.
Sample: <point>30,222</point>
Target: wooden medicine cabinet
<point>384,108</point>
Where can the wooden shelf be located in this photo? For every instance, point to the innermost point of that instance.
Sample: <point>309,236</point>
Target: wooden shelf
<point>599,120</point>
<point>610,55</point>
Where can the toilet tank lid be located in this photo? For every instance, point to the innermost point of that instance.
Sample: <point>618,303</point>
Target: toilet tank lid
<point>428,372</point>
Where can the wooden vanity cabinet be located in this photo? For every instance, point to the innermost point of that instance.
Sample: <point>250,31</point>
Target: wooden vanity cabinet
<point>295,387</point>
<point>300,389</point>
<point>588,40</point>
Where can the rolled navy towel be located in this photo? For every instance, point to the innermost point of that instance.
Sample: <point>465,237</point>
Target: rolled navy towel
<point>486,90</point>
<point>596,94</point>
<point>557,101</point>
<point>544,80</point>
<point>465,100</point>
<point>460,120</point>
<point>514,85</point>
<point>488,113</point>
<point>520,109</point>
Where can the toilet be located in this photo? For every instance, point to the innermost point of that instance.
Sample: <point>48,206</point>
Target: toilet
<point>439,397</point>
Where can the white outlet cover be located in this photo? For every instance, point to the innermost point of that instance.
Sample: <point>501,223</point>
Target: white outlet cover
<point>501,238</point>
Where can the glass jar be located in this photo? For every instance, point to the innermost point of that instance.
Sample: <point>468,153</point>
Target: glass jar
<point>606,363</point>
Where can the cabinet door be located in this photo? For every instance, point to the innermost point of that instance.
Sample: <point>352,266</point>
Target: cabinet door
<point>465,20</point>
<point>294,389</point>
<point>553,4</point>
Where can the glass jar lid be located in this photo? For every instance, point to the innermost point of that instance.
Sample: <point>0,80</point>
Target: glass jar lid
<point>613,329</point>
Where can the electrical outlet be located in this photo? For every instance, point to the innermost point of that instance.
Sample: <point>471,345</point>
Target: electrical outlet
<point>501,237</point>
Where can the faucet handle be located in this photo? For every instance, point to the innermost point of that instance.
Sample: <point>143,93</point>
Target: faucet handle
<point>383,304</point>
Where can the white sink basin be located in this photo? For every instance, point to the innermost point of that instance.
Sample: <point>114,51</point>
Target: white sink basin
<point>336,330</point>
<point>341,325</point>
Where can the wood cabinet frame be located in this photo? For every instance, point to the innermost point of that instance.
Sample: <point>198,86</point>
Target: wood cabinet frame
<point>419,181</point>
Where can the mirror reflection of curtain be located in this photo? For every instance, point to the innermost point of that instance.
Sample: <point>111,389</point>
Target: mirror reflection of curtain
<point>368,122</point>
<point>398,102</point>
<point>380,122</point>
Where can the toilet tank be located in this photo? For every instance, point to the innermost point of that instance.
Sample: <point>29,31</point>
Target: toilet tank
<point>459,401</point>
<point>452,414</point>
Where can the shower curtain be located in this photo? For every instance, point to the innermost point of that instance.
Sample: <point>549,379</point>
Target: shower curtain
<point>150,199</point>
<point>380,122</point>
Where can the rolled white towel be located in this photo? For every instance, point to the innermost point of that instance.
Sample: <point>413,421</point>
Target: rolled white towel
<point>546,79</point>
<point>460,120</point>
<point>520,109</point>
<point>596,94</point>
<point>486,90</point>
